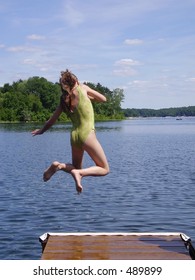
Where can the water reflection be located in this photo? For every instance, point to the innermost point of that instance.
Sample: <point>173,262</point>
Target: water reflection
<point>27,127</point>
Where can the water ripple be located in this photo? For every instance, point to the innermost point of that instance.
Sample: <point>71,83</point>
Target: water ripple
<point>150,187</point>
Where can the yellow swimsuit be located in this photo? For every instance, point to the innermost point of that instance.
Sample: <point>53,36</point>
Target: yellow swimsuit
<point>82,119</point>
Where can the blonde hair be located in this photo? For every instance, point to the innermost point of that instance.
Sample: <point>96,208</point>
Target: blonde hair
<point>68,78</point>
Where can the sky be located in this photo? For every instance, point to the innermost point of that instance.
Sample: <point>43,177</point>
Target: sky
<point>145,47</point>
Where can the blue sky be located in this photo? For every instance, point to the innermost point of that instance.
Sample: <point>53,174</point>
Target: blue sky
<point>146,47</point>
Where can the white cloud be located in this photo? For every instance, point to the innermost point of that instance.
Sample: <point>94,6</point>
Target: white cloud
<point>157,85</point>
<point>43,66</point>
<point>29,61</point>
<point>125,67</point>
<point>127,62</point>
<point>35,37</point>
<point>133,42</point>
<point>22,49</point>
<point>141,85</point>
<point>138,83</point>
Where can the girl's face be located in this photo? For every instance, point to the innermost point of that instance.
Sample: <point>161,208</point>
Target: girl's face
<point>66,88</point>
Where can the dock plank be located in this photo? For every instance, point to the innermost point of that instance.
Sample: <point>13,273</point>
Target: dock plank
<point>114,247</point>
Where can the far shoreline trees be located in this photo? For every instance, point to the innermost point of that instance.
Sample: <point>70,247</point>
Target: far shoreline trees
<point>34,99</point>
<point>165,112</point>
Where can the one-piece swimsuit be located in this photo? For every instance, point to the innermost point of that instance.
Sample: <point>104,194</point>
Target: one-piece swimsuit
<point>82,118</point>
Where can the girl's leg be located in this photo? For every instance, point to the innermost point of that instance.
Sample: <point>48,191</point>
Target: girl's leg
<point>95,151</point>
<point>77,157</point>
<point>54,167</point>
<point>93,147</point>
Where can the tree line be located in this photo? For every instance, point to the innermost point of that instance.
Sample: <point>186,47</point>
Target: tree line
<point>34,99</point>
<point>171,112</point>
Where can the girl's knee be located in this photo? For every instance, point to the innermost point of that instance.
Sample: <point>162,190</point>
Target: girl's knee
<point>106,170</point>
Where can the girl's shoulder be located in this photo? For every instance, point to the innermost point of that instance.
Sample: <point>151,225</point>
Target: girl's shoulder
<point>83,88</point>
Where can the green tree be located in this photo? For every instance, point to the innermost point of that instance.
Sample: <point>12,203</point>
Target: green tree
<point>47,92</point>
<point>36,98</point>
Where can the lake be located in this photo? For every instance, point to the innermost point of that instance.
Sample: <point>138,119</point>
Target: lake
<point>150,188</point>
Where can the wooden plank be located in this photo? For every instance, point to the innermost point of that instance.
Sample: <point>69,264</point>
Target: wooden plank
<point>74,247</point>
<point>129,256</point>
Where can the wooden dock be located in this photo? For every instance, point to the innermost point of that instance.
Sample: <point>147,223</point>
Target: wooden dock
<point>116,246</point>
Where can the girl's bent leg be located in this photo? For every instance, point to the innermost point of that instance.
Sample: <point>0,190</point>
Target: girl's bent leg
<point>54,167</point>
<point>77,178</point>
<point>95,151</point>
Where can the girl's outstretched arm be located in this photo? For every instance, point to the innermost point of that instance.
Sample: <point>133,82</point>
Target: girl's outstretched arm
<point>48,123</point>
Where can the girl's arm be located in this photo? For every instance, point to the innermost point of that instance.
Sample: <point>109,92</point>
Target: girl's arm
<point>49,123</point>
<point>95,95</point>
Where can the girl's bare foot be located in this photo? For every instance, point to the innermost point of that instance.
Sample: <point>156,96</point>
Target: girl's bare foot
<point>51,170</point>
<point>77,177</point>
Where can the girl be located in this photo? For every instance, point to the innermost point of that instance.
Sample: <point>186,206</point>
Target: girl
<point>76,103</point>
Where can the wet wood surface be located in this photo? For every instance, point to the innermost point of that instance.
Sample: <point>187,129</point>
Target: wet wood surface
<point>115,247</point>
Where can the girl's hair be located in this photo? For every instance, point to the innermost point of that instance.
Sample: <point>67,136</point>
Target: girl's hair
<point>67,78</point>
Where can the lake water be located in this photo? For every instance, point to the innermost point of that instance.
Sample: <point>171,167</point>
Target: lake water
<point>151,186</point>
